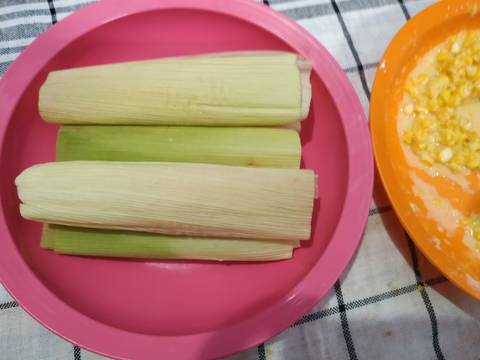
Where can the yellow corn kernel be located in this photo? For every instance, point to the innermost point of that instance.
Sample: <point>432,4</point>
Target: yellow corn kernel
<point>456,168</point>
<point>476,76</point>
<point>432,106</point>
<point>443,55</point>
<point>408,137</point>
<point>455,99</point>
<point>421,79</point>
<point>476,234</point>
<point>446,96</point>
<point>471,71</point>
<point>427,158</point>
<point>469,39</point>
<point>475,144</point>
<point>474,162</point>
<point>465,90</point>
<point>412,91</point>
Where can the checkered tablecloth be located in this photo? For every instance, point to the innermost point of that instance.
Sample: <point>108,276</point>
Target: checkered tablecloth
<point>389,304</point>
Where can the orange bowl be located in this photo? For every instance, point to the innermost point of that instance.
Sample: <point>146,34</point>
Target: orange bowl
<point>423,32</point>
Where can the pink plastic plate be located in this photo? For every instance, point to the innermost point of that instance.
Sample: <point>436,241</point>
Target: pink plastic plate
<point>179,310</point>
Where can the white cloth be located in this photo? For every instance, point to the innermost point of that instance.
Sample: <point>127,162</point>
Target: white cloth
<point>389,304</point>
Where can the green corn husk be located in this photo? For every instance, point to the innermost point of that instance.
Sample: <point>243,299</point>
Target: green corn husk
<point>117,243</point>
<point>260,147</point>
<point>254,88</point>
<point>171,198</point>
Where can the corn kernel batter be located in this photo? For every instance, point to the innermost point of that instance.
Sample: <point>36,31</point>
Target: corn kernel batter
<point>440,123</point>
<point>441,133</point>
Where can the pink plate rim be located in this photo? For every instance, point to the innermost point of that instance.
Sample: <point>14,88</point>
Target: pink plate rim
<point>95,336</point>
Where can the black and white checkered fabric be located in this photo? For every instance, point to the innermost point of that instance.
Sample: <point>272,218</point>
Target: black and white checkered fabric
<point>389,304</point>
